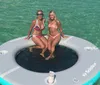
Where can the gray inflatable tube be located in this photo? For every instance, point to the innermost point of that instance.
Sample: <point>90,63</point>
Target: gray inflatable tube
<point>86,71</point>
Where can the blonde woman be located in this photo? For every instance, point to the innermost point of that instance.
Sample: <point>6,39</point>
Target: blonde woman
<point>36,28</point>
<point>55,33</point>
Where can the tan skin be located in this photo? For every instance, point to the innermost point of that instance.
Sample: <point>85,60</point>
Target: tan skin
<point>41,43</point>
<point>52,42</point>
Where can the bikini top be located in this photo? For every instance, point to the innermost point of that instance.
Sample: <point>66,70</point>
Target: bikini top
<point>53,26</point>
<point>37,27</point>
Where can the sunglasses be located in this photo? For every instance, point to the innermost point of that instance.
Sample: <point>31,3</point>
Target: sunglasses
<point>40,14</point>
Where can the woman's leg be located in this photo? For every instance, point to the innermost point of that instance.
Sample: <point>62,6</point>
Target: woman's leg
<point>34,37</point>
<point>38,42</point>
<point>44,40</point>
<point>49,43</point>
<point>53,44</point>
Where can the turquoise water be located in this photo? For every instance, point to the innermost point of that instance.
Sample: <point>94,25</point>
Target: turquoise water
<point>79,18</point>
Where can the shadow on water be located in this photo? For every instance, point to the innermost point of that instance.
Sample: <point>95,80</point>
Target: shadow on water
<point>64,59</point>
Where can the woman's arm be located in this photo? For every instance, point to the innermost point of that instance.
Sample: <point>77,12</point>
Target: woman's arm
<point>60,29</point>
<point>30,30</point>
<point>48,28</point>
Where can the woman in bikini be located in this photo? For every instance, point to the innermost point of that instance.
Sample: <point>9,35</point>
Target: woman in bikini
<point>36,28</point>
<point>54,35</point>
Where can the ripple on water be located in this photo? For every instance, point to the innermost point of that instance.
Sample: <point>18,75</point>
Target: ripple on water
<point>79,18</point>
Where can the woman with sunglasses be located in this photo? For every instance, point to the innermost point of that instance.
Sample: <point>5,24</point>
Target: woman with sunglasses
<point>54,35</point>
<point>36,28</point>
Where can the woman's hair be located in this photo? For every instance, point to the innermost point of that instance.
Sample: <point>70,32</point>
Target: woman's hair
<point>39,11</point>
<point>53,14</point>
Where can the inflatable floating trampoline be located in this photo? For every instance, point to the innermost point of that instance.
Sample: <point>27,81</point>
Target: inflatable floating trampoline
<point>76,62</point>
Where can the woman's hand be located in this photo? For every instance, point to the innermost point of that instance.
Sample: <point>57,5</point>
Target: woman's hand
<point>65,36</point>
<point>62,35</point>
<point>28,37</point>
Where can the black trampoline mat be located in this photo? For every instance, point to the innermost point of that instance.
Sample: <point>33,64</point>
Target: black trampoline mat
<point>64,59</point>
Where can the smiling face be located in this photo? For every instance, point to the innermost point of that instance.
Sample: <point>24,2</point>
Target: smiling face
<point>40,15</point>
<point>52,16</point>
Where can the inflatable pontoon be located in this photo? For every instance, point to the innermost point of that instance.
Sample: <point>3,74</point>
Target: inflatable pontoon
<point>19,68</point>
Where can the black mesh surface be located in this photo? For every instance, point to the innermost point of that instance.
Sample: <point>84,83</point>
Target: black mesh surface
<point>64,59</point>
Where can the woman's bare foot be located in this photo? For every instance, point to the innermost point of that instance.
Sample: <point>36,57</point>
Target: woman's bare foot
<point>42,54</point>
<point>66,36</point>
<point>48,58</point>
<point>30,49</point>
<point>53,56</point>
